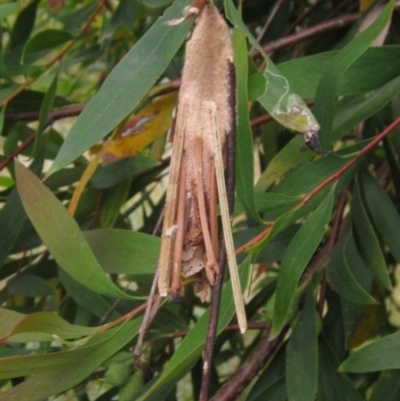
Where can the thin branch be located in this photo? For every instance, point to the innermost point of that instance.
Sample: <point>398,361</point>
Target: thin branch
<point>70,111</point>
<point>148,315</point>
<point>124,318</point>
<point>231,327</point>
<point>267,24</point>
<point>334,177</point>
<point>308,33</point>
<point>28,141</point>
<point>248,370</point>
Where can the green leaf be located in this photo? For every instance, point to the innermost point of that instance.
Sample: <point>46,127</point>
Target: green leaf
<point>192,346</point>
<point>344,259</point>
<point>367,241</point>
<point>302,356</point>
<point>287,159</point>
<point>156,3</point>
<point>57,372</point>
<point>244,136</point>
<point>114,198</point>
<point>88,300</point>
<point>298,254</point>
<point>383,212</point>
<point>334,385</point>
<point>279,99</point>
<point>271,383</point>
<point>351,111</point>
<point>380,355</point>
<point>23,25</point>
<point>61,234</point>
<point>13,217</point>
<point>387,387</point>
<point>43,42</point>
<point>113,174</point>
<point>11,222</point>
<point>123,251</point>
<point>45,109</point>
<point>327,88</point>
<point>8,9</point>
<point>373,69</point>
<point>126,86</point>
<point>29,285</point>
<point>45,322</point>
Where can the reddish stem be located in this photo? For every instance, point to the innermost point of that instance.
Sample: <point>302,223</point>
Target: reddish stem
<point>334,177</point>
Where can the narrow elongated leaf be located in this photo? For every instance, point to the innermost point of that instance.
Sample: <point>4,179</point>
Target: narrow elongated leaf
<point>350,112</point>
<point>380,355</point>
<point>45,109</point>
<point>373,69</point>
<point>326,92</point>
<point>344,259</point>
<point>302,356</point>
<point>114,199</point>
<point>278,99</point>
<point>43,42</point>
<point>124,251</point>
<point>46,322</point>
<point>140,130</point>
<point>383,213</point>
<point>71,371</point>
<point>88,300</point>
<point>126,86</point>
<point>271,380</point>
<point>9,319</point>
<point>61,234</point>
<point>367,241</point>
<point>387,387</point>
<point>12,215</point>
<point>333,384</point>
<point>287,159</point>
<point>295,260</point>
<point>244,137</point>
<point>108,176</point>
<point>23,25</point>
<point>11,222</point>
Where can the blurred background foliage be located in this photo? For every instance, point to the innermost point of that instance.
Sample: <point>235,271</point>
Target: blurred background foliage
<point>87,90</point>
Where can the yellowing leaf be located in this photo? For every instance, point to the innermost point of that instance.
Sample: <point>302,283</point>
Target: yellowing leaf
<point>142,129</point>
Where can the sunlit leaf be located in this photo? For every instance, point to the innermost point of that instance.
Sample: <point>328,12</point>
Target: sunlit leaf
<point>61,234</point>
<point>150,123</point>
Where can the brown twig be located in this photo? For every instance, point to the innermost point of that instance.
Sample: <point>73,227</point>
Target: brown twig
<point>332,178</point>
<point>267,23</point>
<point>147,318</point>
<point>248,370</point>
<point>301,17</point>
<point>28,141</point>
<point>231,327</point>
<point>125,318</point>
<point>70,111</point>
<point>308,33</point>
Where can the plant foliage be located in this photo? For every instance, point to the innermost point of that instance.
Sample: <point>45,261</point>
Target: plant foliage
<point>86,95</point>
